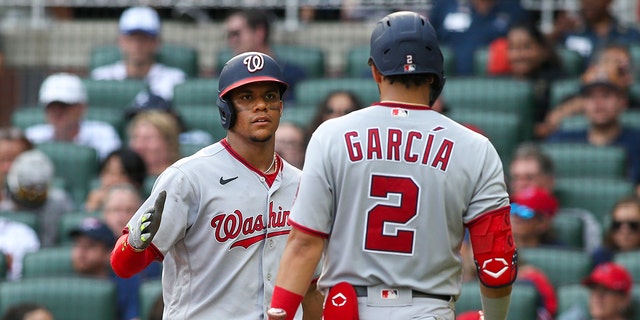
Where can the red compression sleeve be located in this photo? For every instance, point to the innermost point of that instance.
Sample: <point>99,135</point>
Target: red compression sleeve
<point>286,300</point>
<point>126,261</point>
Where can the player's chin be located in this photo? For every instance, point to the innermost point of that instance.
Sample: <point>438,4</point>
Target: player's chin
<point>262,136</point>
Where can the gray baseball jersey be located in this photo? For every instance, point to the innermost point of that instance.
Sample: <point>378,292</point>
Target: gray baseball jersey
<point>391,187</point>
<point>222,234</point>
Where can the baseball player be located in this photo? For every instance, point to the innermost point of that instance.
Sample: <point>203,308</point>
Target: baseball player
<point>386,193</point>
<point>219,222</point>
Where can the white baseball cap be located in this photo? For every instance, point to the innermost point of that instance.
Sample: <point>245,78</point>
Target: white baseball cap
<point>62,87</point>
<point>140,19</point>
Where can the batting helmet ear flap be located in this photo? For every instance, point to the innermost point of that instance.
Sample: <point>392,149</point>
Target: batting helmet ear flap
<point>227,114</point>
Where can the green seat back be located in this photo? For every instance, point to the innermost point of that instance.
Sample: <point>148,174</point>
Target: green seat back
<point>631,261</point>
<point>596,195</point>
<point>28,218</point>
<point>173,55</point>
<point>562,89</point>
<point>572,62</point>
<point>28,116</point>
<point>571,296</point>
<point>562,266</point>
<point>357,62</point>
<point>50,261</point>
<point>203,117</point>
<point>3,267</point>
<point>310,59</point>
<point>70,221</point>
<point>634,49</point>
<point>524,300</point>
<point>196,92</point>
<point>113,94</point>
<point>480,61</point>
<point>586,160</point>
<point>501,128</point>
<point>149,292</point>
<point>569,229</point>
<point>76,164</point>
<point>187,149</point>
<point>68,298</point>
<point>300,115</point>
<point>313,91</point>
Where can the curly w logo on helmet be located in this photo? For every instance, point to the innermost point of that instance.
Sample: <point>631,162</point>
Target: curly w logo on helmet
<point>254,63</point>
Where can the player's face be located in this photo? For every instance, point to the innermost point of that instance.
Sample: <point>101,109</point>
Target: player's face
<point>258,109</point>
<point>139,47</point>
<point>119,207</point>
<point>625,227</point>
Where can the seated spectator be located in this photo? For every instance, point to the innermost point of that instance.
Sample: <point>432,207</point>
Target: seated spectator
<point>532,213</point>
<point>12,143</point>
<point>120,166</point>
<point>154,135</point>
<point>610,295</point>
<point>604,102</point>
<point>16,240</point>
<point>30,190</point>
<point>250,30</point>
<point>335,104</point>
<point>139,42</point>
<point>91,254</point>
<point>467,25</point>
<point>592,29</point>
<point>624,231</point>
<point>64,98</point>
<point>290,143</point>
<point>27,311</point>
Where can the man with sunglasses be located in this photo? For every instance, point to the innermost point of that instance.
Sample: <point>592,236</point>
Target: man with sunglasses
<point>532,213</point>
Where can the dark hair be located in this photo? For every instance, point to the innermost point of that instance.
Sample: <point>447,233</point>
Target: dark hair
<point>530,150</point>
<point>257,18</point>
<point>15,134</point>
<point>132,163</point>
<point>608,236</point>
<point>323,107</point>
<point>19,311</point>
<point>553,59</point>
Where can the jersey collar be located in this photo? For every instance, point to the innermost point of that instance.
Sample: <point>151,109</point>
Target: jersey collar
<point>404,105</point>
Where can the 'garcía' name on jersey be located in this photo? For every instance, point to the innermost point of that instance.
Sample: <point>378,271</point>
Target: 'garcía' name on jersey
<point>398,145</point>
<point>245,230</point>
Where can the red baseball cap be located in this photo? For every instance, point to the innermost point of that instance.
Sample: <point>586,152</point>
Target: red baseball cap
<point>537,199</point>
<point>611,276</point>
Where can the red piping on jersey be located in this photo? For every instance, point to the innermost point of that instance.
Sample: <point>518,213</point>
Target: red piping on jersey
<point>307,230</point>
<point>269,177</point>
<point>499,210</point>
<point>410,106</point>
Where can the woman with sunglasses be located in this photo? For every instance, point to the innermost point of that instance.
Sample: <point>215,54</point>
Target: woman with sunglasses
<point>624,230</point>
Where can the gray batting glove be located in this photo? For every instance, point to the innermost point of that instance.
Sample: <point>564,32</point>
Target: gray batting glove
<point>276,314</point>
<point>142,231</point>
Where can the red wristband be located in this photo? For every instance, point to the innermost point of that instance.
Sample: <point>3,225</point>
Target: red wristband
<point>286,300</point>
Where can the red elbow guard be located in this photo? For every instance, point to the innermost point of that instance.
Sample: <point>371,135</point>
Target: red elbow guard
<point>494,251</point>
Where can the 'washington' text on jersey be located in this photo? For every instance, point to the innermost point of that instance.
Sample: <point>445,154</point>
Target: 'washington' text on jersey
<point>412,147</point>
<point>234,226</point>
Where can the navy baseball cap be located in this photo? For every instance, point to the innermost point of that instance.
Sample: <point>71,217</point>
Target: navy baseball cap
<point>95,229</point>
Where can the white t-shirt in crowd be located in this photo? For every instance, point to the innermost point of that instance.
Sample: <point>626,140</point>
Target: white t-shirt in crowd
<point>16,240</point>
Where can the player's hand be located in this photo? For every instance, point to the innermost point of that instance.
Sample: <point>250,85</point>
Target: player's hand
<point>276,314</point>
<point>142,231</point>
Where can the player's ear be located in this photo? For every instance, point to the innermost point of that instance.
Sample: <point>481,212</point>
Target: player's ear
<point>375,73</point>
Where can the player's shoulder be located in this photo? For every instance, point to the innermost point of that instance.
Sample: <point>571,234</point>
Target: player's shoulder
<point>203,155</point>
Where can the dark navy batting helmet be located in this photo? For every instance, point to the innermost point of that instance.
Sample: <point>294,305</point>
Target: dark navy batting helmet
<point>243,69</point>
<point>405,43</point>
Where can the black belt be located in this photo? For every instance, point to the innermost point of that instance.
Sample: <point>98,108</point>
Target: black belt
<point>361,291</point>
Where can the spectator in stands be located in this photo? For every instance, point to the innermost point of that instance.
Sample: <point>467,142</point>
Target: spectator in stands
<point>250,30</point>
<point>592,29</point>
<point>16,240</point>
<point>154,135</point>
<point>120,166</point>
<point>610,295</point>
<point>64,98</point>
<point>335,104</point>
<point>139,42</point>
<point>291,143</point>
<point>604,102</point>
<point>467,25</point>
<point>12,143</point>
<point>532,213</point>
<point>617,60</point>
<point>623,234</point>
<point>30,190</point>
<point>27,311</point>
<point>90,255</point>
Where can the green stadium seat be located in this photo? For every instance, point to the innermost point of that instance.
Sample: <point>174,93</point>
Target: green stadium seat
<point>562,89</point>
<point>28,218</point>
<point>196,92</point>
<point>631,261</point>
<point>586,160</point>
<point>357,62</point>
<point>76,164</point>
<point>311,92</point>
<point>311,59</point>
<point>187,149</point>
<point>203,117</point>
<point>501,128</point>
<point>149,292</point>
<point>561,265</point>
<point>3,267</point>
<point>634,49</point>
<point>597,195</point>
<point>300,115</point>
<point>524,300</point>
<point>572,296</point>
<point>570,230</point>
<point>70,221</point>
<point>50,261</point>
<point>113,94</point>
<point>173,55</point>
<point>635,296</point>
<point>572,62</point>
<point>68,298</point>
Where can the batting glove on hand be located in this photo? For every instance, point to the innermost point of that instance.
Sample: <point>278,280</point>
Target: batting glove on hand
<point>142,231</point>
